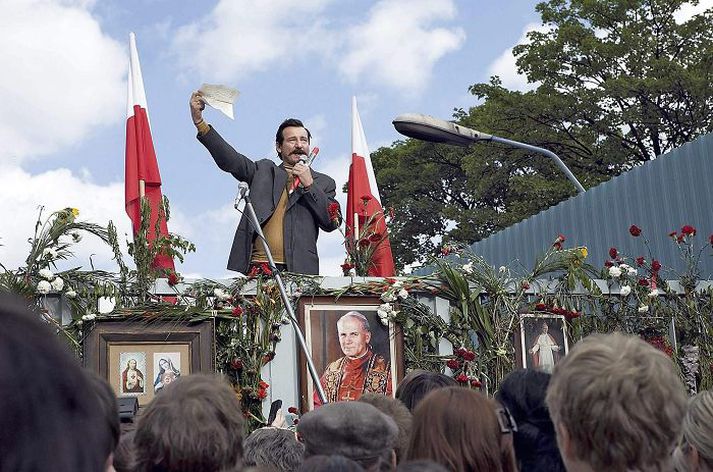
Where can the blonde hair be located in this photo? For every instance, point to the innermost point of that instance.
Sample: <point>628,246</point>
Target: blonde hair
<point>697,431</point>
<point>621,401</point>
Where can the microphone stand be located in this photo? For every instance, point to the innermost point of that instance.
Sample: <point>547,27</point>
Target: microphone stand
<point>283,293</point>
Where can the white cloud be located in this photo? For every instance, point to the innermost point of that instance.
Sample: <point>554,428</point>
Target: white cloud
<point>688,11</point>
<point>505,68</point>
<point>398,45</point>
<point>63,74</point>
<point>240,37</point>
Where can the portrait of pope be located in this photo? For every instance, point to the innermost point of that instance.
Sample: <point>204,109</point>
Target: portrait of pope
<point>359,369</point>
<point>544,341</point>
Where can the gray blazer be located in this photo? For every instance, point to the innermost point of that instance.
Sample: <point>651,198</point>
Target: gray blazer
<point>306,210</point>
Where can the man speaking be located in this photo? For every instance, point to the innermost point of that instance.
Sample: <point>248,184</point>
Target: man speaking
<point>360,370</point>
<point>290,219</point>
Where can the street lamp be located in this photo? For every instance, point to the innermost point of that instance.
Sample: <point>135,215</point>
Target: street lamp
<point>428,128</point>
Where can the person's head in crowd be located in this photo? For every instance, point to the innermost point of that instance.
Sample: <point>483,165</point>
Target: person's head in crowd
<point>695,451</point>
<point>418,383</point>
<point>398,412</point>
<point>617,404</point>
<point>50,415</point>
<point>275,448</point>
<point>125,453</point>
<point>422,465</point>
<point>331,463</point>
<point>109,409</point>
<point>194,424</point>
<point>355,430</point>
<point>463,430</point>
<point>523,393</point>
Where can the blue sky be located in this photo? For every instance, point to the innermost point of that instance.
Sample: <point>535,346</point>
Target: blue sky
<point>62,125</point>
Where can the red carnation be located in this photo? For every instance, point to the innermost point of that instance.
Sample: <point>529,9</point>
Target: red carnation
<point>346,266</point>
<point>561,238</point>
<point>634,230</point>
<point>268,357</point>
<point>644,282</point>
<point>475,383</point>
<point>237,311</point>
<point>525,285</point>
<point>679,239</point>
<point>462,378</point>
<point>557,245</point>
<point>236,363</point>
<point>655,265</point>
<point>540,307</point>
<point>293,410</point>
<point>445,250</point>
<point>672,234</point>
<point>469,355</point>
<point>688,230</point>
<point>263,384</point>
<point>570,315</point>
<point>266,269</point>
<point>613,252</point>
<point>173,279</point>
<point>640,261</point>
<point>453,364</point>
<point>333,210</point>
<point>608,263</point>
<point>261,393</point>
<point>460,352</point>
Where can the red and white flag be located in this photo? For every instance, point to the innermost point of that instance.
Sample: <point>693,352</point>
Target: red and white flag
<point>364,202</point>
<point>142,177</point>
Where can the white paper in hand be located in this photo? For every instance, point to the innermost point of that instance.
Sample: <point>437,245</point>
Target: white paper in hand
<point>220,97</point>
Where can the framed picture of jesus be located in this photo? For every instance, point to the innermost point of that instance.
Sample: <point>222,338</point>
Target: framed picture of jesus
<point>353,350</point>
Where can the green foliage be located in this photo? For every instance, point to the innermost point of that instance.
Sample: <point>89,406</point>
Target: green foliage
<point>617,83</point>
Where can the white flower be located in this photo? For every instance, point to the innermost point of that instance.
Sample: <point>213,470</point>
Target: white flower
<point>654,293</point>
<point>388,296</point>
<point>468,268</point>
<point>502,269</point>
<point>89,317</point>
<point>632,272</point>
<point>614,272</point>
<point>46,274</point>
<point>625,290</point>
<point>383,312</point>
<point>352,272</point>
<point>397,284</point>
<point>43,287</point>
<point>624,267</point>
<point>221,294</point>
<point>403,294</point>
<point>49,253</point>
<point>70,293</point>
<point>644,309</point>
<point>58,284</point>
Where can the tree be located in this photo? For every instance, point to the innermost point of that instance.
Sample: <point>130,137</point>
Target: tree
<point>618,83</point>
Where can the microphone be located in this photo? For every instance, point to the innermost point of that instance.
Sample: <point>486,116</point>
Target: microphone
<point>243,191</point>
<point>307,160</point>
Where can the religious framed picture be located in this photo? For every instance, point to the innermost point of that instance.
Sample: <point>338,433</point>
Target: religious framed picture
<point>542,342</point>
<point>352,350</point>
<point>139,359</point>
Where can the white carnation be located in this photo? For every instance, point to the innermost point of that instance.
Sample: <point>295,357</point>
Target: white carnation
<point>46,274</point>
<point>403,294</point>
<point>632,272</point>
<point>43,287</point>
<point>49,253</point>
<point>89,317</point>
<point>502,269</point>
<point>615,272</point>
<point>388,296</point>
<point>58,284</point>
<point>468,268</point>
<point>625,290</point>
<point>397,284</point>
<point>644,309</point>
<point>70,293</point>
<point>654,293</point>
<point>221,294</point>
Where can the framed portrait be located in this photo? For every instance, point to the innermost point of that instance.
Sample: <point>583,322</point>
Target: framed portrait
<point>353,351</point>
<point>542,342</point>
<point>139,359</point>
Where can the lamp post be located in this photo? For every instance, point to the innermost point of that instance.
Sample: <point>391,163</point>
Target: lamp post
<point>428,128</point>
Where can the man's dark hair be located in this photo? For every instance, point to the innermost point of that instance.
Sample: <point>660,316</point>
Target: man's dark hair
<point>418,383</point>
<point>50,416</point>
<point>109,409</point>
<point>196,423</point>
<point>290,122</point>
<point>523,393</point>
<point>399,413</point>
<point>334,463</point>
<point>275,448</point>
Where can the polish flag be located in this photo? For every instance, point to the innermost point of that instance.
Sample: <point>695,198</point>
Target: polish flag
<point>364,202</point>
<point>142,177</point>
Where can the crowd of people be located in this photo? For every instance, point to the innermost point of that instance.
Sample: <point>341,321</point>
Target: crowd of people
<point>614,403</point>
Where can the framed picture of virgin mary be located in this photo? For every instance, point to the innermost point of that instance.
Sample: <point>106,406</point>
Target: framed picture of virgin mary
<point>543,341</point>
<point>354,352</point>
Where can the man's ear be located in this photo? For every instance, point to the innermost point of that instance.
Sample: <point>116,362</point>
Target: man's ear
<point>368,337</point>
<point>692,458</point>
<point>564,442</point>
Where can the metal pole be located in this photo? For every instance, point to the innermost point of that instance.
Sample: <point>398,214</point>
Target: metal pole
<point>547,153</point>
<point>286,300</point>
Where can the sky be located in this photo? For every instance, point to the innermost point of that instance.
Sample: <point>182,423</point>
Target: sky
<point>63,106</point>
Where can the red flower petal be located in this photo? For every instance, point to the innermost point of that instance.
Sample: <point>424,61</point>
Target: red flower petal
<point>613,252</point>
<point>634,230</point>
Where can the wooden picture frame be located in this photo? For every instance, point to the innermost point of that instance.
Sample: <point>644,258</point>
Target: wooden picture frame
<point>318,317</point>
<point>138,359</point>
<point>536,349</point>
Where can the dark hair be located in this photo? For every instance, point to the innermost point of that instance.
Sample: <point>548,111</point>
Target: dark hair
<point>329,464</point>
<point>288,123</point>
<point>276,448</point>
<point>195,424</point>
<point>418,383</point>
<point>109,409</point>
<point>399,413</point>
<point>523,393</point>
<point>48,408</point>
<point>125,453</point>
<point>459,428</point>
